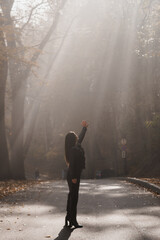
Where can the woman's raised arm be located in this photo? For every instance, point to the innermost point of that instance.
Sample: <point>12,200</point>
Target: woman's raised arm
<point>83,131</point>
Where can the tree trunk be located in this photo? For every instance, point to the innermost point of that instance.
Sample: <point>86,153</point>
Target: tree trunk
<point>17,139</point>
<point>4,158</point>
<point>19,74</point>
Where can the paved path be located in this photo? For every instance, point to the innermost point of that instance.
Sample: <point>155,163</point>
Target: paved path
<point>108,210</point>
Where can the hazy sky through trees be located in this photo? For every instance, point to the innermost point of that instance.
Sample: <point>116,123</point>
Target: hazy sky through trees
<point>95,66</point>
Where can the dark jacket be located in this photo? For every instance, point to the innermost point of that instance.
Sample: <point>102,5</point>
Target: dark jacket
<point>77,157</point>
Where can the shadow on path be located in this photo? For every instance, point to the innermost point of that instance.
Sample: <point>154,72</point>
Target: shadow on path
<point>64,234</point>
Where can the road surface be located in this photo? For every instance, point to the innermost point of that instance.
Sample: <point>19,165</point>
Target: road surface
<point>108,209</point>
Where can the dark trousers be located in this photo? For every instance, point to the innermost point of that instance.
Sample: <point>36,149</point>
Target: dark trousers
<point>72,198</point>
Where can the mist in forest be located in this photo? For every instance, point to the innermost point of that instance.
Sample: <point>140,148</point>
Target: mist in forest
<point>99,63</point>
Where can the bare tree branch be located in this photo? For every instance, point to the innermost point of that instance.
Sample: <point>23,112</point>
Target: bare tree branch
<point>30,15</point>
<point>47,37</point>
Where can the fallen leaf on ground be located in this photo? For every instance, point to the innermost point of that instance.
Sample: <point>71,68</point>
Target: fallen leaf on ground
<point>12,186</point>
<point>152,180</point>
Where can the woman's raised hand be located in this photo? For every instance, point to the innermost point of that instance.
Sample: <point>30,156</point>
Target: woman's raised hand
<point>74,180</point>
<point>84,123</point>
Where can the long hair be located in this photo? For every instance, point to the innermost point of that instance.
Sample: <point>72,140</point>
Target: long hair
<point>70,141</point>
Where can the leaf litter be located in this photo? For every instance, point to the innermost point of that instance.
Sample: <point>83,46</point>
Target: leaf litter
<point>13,186</point>
<point>155,181</point>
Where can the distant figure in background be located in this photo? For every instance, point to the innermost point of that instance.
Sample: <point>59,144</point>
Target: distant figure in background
<point>75,159</point>
<point>36,174</point>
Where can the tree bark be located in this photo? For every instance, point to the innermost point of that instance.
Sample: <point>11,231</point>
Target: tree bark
<point>4,157</point>
<point>17,138</point>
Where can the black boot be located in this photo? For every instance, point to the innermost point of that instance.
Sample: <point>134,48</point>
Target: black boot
<point>67,222</point>
<point>75,224</point>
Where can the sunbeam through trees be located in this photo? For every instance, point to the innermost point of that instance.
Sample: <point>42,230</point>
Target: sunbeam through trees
<point>62,61</point>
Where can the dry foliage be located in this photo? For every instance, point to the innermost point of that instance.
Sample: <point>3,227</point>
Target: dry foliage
<point>12,186</point>
<point>155,181</point>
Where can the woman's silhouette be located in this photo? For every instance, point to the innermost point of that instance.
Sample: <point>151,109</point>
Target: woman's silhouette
<point>75,159</point>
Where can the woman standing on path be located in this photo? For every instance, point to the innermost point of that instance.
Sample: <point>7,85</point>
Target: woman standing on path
<point>75,159</point>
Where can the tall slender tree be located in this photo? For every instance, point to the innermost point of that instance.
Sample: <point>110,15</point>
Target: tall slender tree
<point>4,158</point>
